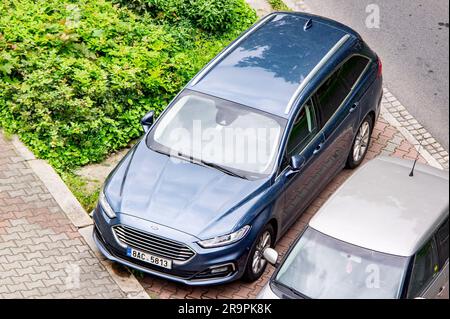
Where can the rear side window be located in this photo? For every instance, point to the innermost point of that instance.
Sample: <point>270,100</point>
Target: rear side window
<point>352,70</point>
<point>442,244</point>
<point>334,91</point>
<point>424,269</point>
<point>331,95</point>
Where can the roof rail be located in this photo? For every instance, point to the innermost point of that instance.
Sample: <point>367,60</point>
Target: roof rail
<point>230,48</point>
<point>314,71</point>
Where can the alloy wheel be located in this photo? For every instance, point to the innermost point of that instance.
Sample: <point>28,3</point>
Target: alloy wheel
<point>361,142</point>
<point>258,262</point>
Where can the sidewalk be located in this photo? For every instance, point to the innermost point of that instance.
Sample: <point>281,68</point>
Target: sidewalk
<point>42,254</point>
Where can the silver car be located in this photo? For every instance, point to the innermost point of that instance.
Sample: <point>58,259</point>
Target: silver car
<point>383,234</point>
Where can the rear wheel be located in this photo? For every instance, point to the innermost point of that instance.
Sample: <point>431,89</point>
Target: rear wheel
<point>256,264</point>
<point>361,143</point>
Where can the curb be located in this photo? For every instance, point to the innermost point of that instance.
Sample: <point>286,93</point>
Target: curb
<point>397,115</point>
<point>128,284</point>
<point>78,216</point>
<point>410,138</point>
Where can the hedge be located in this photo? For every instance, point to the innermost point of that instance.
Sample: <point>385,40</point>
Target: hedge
<point>76,76</point>
<point>208,15</point>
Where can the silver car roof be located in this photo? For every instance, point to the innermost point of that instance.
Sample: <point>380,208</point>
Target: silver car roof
<point>382,208</point>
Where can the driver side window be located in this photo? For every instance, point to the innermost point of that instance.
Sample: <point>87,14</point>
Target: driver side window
<point>304,129</point>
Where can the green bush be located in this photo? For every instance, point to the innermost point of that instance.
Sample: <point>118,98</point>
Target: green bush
<point>209,15</point>
<point>76,77</point>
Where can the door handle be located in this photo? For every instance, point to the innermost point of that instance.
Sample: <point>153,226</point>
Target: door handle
<point>354,107</point>
<point>441,290</point>
<point>318,149</point>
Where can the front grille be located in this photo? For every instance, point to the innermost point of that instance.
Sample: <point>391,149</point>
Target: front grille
<point>153,244</point>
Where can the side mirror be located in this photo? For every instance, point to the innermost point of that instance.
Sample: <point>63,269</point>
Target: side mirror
<point>297,162</point>
<point>271,256</point>
<point>147,121</point>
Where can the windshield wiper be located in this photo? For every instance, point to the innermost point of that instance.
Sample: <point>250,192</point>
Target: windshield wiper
<point>222,169</point>
<point>294,291</point>
<point>210,164</point>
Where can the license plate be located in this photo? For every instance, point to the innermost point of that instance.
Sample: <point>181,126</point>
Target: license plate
<point>149,258</point>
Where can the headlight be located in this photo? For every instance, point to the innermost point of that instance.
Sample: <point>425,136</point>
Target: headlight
<point>226,239</point>
<point>105,205</point>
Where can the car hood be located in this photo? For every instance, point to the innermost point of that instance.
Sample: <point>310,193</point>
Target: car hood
<point>181,195</point>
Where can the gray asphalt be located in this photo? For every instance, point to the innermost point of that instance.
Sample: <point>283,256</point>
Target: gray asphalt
<point>413,42</point>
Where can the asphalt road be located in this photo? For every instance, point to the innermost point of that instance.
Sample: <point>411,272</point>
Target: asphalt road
<point>413,42</point>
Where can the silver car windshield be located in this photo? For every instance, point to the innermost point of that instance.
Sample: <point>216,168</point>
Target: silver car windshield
<point>322,267</point>
<point>220,133</point>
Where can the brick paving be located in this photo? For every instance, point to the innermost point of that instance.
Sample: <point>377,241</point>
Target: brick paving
<point>386,140</point>
<point>42,255</point>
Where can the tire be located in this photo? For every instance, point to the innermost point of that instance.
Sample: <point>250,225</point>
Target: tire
<point>361,143</point>
<point>252,272</point>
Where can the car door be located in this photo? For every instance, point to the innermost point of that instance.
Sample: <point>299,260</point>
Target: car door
<point>339,101</point>
<point>300,188</point>
<point>425,271</point>
<point>439,284</point>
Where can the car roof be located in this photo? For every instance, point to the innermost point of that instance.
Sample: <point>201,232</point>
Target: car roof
<point>264,68</point>
<point>382,208</point>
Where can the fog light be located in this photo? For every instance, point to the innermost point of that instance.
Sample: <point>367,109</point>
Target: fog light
<point>219,269</point>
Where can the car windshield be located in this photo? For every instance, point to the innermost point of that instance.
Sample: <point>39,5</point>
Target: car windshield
<point>218,133</point>
<point>322,267</point>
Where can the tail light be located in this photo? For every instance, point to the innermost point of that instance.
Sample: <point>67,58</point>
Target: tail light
<point>380,68</point>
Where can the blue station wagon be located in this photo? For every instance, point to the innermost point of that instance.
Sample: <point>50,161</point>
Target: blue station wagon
<point>242,151</point>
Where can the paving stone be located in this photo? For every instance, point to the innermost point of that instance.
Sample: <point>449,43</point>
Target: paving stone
<point>31,293</point>
<point>14,295</point>
<point>390,147</point>
<point>17,287</point>
<point>3,288</point>
<point>35,246</point>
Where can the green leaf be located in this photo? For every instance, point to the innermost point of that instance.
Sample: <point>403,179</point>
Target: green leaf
<point>6,68</point>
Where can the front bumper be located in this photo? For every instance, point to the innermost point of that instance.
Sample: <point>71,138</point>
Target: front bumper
<point>194,272</point>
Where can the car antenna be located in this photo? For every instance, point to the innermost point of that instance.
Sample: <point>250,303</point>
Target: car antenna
<point>308,24</point>
<point>415,161</point>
